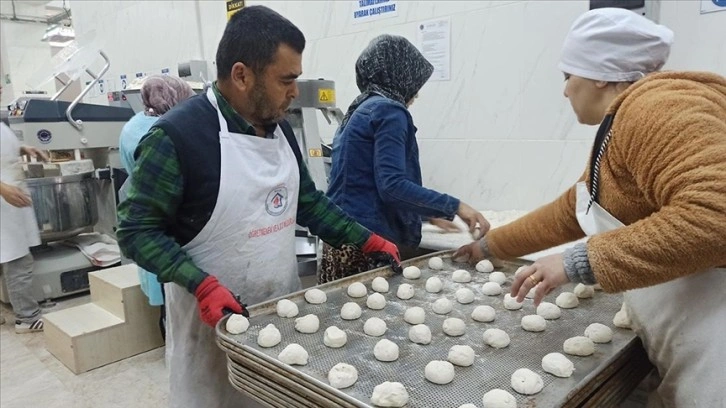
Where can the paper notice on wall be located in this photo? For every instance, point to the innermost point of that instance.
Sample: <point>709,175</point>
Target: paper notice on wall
<point>709,6</point>
<point>434,41</point>
<point>370,10</point>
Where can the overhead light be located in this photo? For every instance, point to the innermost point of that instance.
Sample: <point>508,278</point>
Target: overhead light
<point>59,34</point>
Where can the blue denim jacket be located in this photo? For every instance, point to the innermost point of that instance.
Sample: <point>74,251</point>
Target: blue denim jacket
<point>376,175</point>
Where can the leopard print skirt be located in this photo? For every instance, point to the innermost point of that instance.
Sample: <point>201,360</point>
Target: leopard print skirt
<point>339,263</point>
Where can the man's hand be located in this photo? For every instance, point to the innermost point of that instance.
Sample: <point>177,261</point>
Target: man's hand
<point>380,249</point>
<point>15,196</point>
<point>33,152</point>
<point>546,274</point>
<point>473,217</point>
<point>214,301</point>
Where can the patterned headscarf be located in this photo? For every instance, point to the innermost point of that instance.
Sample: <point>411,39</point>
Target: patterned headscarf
<point>161,92</point>
<point>392,67</point>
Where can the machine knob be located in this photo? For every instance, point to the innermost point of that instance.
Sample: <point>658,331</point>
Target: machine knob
<point>84,140</point>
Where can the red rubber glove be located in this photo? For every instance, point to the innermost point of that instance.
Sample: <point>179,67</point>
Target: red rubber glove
<point>383,251</point>
<point>214,301</point>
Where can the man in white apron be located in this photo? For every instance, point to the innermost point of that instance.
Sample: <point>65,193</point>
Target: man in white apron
<point>215,195</point>
<point>652,202</point>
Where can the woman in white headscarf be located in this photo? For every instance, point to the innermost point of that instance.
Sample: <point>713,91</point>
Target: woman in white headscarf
<point>652,202</point>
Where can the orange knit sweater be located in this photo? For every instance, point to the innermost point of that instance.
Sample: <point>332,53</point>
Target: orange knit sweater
<point>663,175</point>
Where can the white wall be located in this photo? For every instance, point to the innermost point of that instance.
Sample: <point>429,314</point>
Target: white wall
<point>700,39</point>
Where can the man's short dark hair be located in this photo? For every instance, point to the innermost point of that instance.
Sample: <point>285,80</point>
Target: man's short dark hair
<point>252,37</point>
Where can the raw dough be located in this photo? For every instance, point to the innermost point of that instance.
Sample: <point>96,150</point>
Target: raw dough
<point>454,327</point>
<point>584,291</point>
<point>599,333</point>
<point>357,290</point>
<point>269,336</point>
<point>530,294</point>
<point>374,327</point>
<point>442,306</point>
<point>520,270</point>
<point>420,334</point>
<point>405,291</point>
<point>464,296</point>
<point>334,337</point>
<point>386,350</point>
<point>307,324</point>
<point>439,372</point>
<point>380,284</point>
<point>434,285</point>
<point>389,394</point>
<point>527,382</point>
<point>286,308</point>
<point>549,311</point>
<point>350,311</point>
<point>467,406</point>
<point>484,266</point>
<point>511,303</point>
<point>342,375</point>
<point>376,301</point>
<point>567,300</point>
<point>461,276</point>
<point>496,338</point>
<point>463,356</point>
<point>436,263</point>
<point>498,277</point>
<point>558,365</point>
<point>237,324</point>
<point>579,346</point>
<point>414,315</point>
<point>293,354</point>
<point>491,289</point>
<point>497,398</point>
<point>621,318</point>
<point>484,314</point>
<point>534,323</point>
<point>315,296</point>
<point>411,272</point>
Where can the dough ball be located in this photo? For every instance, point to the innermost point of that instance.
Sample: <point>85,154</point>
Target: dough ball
<point>414,315</point>
<point>511,303</point>
<point>315,296</point>
<point>357,290</point>
<point>498,277</point>
<point>534,323</point>
<point>496,338</point>
<point>376,301</point>
<point>334,337</point>
<point>491,289</point>
<point>599,333</point>
<point>237,324</point>
<point>483,313</point>
<point>549,311</point>
<point>467,406</point>
<point>436,263</point>
<point>463,356</point>
<point>434,285</point>
<point>286,308</point>
<point>439,372</point>
<point>461,276</point>
<point>442,306</point>
<point>454,327</point>
<point>342,376</point>
<point>484,266</point>
<point>584,291</point>
<point>530,294</point>
<point>389,394</point>
<point>497,398</point>
<point>520,270</point>
<point>374,327</point>
<point>558,365</point>
<point>307,324</point>
<point>621,318</point>
<point>350,311</point>
<point>411,272</point>
<point>527,382</point>
<point>579,346</point>
<point>293,354</point>
<point>567,300</point>
<point>380,284</point>
<point>464,296</point>
<point>420,334</point>
<point>405,291</point>
<point>269,336</point>
<point>386,350</point>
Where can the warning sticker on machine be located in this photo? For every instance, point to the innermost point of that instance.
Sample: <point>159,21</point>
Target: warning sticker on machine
<point>315,152</point>
<point>326,95</point>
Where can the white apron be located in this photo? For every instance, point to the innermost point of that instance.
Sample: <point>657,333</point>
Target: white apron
<point>18,226</point>
<point>682,324</point>
<point>249,245</point>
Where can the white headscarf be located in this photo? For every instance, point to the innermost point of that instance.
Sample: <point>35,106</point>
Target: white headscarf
<point>615,45</point>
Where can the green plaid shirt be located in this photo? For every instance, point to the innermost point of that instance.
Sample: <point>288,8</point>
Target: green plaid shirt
<point>156,192</point>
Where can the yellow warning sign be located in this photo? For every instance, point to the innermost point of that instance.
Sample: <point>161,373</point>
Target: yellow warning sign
<point>315,152</point>
<point>234,6</point>
<point>326,95</point>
